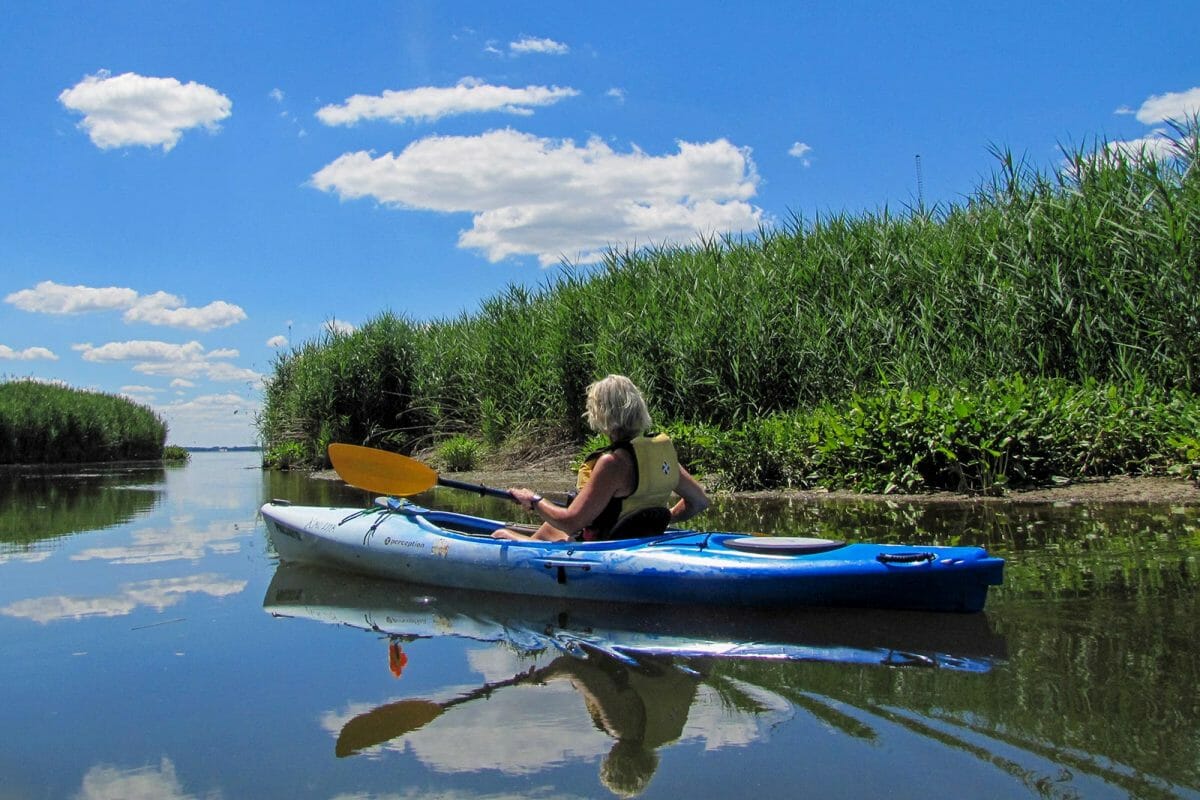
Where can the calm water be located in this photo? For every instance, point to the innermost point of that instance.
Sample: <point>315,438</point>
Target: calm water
<point>152,646</point>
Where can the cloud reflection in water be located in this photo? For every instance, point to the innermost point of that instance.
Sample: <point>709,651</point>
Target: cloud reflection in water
<point>158,594</point>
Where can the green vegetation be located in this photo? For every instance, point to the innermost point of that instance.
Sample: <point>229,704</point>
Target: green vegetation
<point>1001,341</point>
<point>459,453</point>
<point>176,454</point>
<point>1006,432</point>
<point>42,424</point>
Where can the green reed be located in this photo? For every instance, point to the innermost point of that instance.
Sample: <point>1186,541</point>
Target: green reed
<point>40,423</point>
<point>980,439</point>
<point>1086,274</point>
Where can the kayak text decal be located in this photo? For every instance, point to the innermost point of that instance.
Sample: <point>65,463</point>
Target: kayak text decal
<point>389,541</point>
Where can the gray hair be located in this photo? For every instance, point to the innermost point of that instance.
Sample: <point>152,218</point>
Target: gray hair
<point>615,407</point>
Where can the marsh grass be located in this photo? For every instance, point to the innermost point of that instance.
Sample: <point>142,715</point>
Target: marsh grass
<point>1003,433</point>
<point>1086,276</point>
<point>41,423</point>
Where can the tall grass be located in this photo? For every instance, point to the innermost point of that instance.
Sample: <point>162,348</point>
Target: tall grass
<point>41,424</point>
<point>1088,273</point>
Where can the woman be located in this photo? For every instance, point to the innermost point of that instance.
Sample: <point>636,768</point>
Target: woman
<point>625,489</point>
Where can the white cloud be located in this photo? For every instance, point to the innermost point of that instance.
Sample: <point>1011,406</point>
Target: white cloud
<point>801,150</point>
<point>210,420</point>
<point>185,361</point>
<point>1172,106</point>
<point>139,394</point>
<point>180,383</point>
<point>141,349</point>
<point>276,95</point>
<point>49,297</point>
<point>552,198</point>
<point>429,103</point>
<point>277,341</point>
<point>616,94</point>
<point>532,44</point>
<point>28,354</point>
<point>219,371</point>
<point>134,110</point>
<point>214,371</point>
<point>1156,146</point>
<point>159,308</point>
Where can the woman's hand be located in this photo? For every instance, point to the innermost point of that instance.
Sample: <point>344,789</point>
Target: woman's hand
<point>525,498</point>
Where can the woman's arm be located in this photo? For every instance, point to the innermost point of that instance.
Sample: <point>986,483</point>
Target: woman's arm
<point>692,499</point>
<point>612,474</point>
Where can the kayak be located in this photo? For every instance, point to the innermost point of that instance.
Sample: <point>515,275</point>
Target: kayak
<point>399,540</point>
<point>406,612</point>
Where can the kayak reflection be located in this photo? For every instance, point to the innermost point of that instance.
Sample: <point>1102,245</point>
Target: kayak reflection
<point>637,669</point>
<point>628,633</point>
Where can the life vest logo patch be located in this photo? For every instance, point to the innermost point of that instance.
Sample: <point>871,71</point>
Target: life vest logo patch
<point>666,468</point>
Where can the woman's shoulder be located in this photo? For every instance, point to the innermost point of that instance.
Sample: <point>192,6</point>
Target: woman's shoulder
<point>615,457</point>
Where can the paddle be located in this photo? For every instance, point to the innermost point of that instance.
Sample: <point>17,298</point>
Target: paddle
<point>387,722</point>
<point>393,474</point>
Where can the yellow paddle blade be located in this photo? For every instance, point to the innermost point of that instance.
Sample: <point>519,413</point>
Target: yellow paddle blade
<point>381,471</point>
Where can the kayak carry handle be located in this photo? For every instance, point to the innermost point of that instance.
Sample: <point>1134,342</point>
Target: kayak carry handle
<point>905,558</point>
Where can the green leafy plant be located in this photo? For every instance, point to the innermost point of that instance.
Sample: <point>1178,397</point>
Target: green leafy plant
<point>176,454</point>
<point>459,453</point>
<point>286,455</point>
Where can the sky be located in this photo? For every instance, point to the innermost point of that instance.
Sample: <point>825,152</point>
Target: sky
<point>190,189</point>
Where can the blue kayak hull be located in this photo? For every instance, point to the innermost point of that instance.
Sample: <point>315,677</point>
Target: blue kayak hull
<point>409,543</point>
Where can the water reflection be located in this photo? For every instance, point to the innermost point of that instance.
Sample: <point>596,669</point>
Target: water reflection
<point>158,594</point>
<point>627,632</point>
<point>104,781</point>
<point>633,710</point>
<point>646,678</point>
<point>180,542</point>
<point>40,504</point>
<point>1079,682</point>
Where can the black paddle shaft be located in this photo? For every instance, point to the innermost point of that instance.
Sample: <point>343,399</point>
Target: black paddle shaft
<point>477,488</point>
<point>480,489</point>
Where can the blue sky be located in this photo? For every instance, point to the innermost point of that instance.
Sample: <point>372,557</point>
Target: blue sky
<point>188,187</point>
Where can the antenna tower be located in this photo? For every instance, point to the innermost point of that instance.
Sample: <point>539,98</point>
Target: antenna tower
<point>920,187</point>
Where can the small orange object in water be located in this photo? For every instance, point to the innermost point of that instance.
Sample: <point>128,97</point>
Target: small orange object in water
<point>397,660</point>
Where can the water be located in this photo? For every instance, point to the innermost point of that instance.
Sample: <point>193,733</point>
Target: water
<point>152,646</point>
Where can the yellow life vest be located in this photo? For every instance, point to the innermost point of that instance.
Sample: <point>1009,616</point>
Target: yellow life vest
<point>656,474</point>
